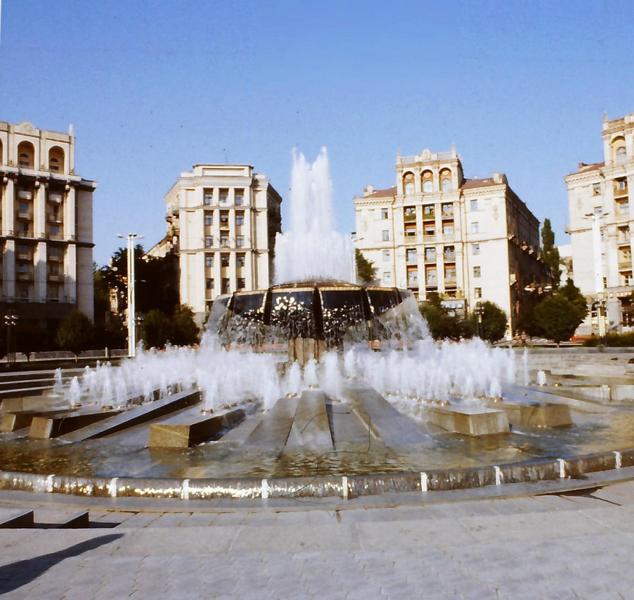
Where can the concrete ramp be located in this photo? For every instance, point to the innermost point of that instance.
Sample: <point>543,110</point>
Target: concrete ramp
<point>274,427</point>
<point>311,428</point>
<point>386,423</point>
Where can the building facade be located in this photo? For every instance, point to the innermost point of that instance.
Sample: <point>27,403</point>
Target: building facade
<point>222,221</point>
<point>601,220</point>
<point>469,240</point>
<point>46,220</point>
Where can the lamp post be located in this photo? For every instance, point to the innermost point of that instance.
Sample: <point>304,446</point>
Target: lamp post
<point>479,311</point>
<point>131,237</point>
<point>10,322</point>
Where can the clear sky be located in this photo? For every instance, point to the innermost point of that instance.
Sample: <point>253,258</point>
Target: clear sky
<point>153,87</point>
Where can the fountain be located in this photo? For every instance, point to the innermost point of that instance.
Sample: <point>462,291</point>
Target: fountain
<point>314,377</point>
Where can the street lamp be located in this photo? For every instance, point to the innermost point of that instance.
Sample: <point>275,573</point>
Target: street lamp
<point>479,311</point>
<point>131,295</point>
<point>10,322</point>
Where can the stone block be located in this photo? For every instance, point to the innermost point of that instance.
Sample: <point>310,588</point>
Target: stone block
<point>536,414</point>
<point>17,520</point>
<point>45,427</point>
<point>469,420</point>
<point>197,431</point>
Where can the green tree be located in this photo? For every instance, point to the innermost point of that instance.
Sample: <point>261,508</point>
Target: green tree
<point>573,294</point>
<point>75,332</point>
<point>443,325</point>
<point>157,329</point>
<point>184,329</point>
<point>557,317</point>
<point>491,325</point>
<point>366,271</point>
<point>550,252</point>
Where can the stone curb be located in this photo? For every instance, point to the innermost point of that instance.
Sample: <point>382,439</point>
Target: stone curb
<point>346,486</point>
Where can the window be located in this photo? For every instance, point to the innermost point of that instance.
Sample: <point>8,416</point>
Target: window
<point>412,278</point>
<point>209,261</point>
<point>408,183</point>
<point>477,292</point>
<point>445,180</point>
<point>209,283</point>
<point>473,205</point>
<point>224,241</point>
<point>224,260</point>
<point>428,186</point>
<point>596,189</point>
<point>56,159</point>
<point>384,213</point>
<point>241,283</point>
<point>476,271</point>
<point>224,218</point>
<point>240,260</point>
<point>410,255</point>
<point>24,229</point>
<point>225,285</point>
<point>208,197</point>
<point>475,227</point>
<point>428,211</point>
<point>53,269</point>
<point>447,229</point>
<point>387,276</point>
<point>446,185</point>
<point>430,254</point>
<point>449,253</point>
<point>447,210</point>
<point>209,219</point>
<point>54,230</point>
<point>239,218</point>
<point>23,267</point>
<point>23,249</point>
<point>239,197</point>
<point>209,241</point>
<point>224,196</point>
<point>475,249</point>
<point>239,241</point>
<point>26,155</point>
<point>386,255</point>
<point>621,153</point>
<point>385,235</point>
<point>53,252</point>
<point>24,208</point>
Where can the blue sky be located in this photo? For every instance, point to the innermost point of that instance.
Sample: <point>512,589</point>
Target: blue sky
<point>155,86</point>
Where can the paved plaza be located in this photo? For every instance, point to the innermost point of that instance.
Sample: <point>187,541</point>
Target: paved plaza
<point>578,545</point>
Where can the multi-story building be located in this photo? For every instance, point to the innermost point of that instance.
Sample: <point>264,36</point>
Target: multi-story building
<point>601,220</point>
<point>222,221</point>
<point>46,222</point>
<point>469,240</point>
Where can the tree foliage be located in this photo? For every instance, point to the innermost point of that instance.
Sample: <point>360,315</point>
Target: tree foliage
<point>550,252</point>
<point>491,326</point>
<point>442,324</point>
<point>157,329</point>
<point>558,316</point>
<point>179,329</point>
<point>366,272</point>
<point>75,332</point>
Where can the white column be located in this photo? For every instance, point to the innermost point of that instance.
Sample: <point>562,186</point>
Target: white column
<point>40,272</point>
<point>217,275</point>
<point>8,207</point>
<point>70,225</point>
<point>70,273</point>
<point>233,280</point>
<point>250,283</point>
<point>39,213</point>
<point>596,252</point>
<point>8,269</point>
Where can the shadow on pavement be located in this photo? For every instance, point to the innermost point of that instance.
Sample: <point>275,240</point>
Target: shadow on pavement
<point>17,574</point>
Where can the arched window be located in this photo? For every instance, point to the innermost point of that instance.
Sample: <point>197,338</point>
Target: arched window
<point>408,184</point>
<point>619,153</point>
<point>428,181</point>
<point>446,184</point>
<point>26,155</point>
<point>56,159</point>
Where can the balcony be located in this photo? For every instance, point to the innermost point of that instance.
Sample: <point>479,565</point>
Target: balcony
<point>53,277</point>
<point>25,194</point>
<point>450,257</point>
<point>450,282</point>
<point>54,257</point>
<point>625,264</point>
<point>55,197</point>
<point>429,215</point>
<point>409,215</point>
<point>25,275</point>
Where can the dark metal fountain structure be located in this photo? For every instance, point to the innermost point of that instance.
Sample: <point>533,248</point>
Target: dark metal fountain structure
<point>311,317</point>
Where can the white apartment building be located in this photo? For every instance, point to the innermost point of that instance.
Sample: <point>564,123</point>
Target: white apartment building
<point>469,240</point>
<point>601,219</point>
<point>46,222</point>
<point>222,221</point>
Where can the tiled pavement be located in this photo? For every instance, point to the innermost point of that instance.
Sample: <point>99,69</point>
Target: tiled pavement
<point>531,547</point>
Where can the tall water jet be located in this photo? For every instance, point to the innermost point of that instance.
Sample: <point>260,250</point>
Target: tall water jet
<point>312,249</point>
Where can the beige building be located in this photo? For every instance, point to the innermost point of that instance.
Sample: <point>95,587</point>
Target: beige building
<point>469,240</point>
<point>601,219</point>
<point>46,226</point>
<point>222,221</point>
